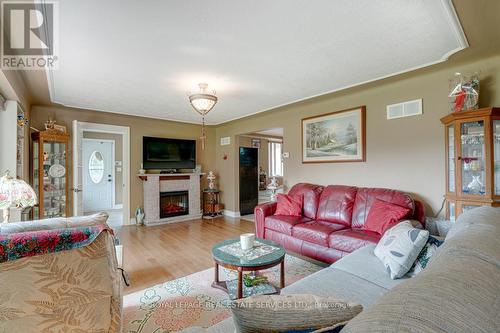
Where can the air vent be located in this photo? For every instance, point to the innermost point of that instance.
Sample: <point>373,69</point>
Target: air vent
<point>405,109</point>
<point>225,141</point>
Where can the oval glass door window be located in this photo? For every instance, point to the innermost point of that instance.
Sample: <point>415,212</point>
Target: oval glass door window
<point>96,167</point>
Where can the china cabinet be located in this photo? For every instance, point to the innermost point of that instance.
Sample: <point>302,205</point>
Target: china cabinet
<point>472,142</point>
<point>49,165</point>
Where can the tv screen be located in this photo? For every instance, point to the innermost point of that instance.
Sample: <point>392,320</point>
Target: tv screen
<point>160,153</point>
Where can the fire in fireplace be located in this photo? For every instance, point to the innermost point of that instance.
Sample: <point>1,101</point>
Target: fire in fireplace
<point>174,204</point>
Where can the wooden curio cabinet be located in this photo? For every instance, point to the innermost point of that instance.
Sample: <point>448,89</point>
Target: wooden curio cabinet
<point>49,173</point>
<point>472,160</point>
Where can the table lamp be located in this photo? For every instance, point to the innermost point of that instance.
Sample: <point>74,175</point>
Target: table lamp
<point>15,193</point>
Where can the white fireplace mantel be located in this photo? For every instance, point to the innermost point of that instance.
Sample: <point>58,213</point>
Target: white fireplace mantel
<point>154,184</point>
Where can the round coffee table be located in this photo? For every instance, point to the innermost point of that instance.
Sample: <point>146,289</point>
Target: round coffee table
<point>264,255</point>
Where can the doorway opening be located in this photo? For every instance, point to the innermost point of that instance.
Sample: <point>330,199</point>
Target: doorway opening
<point>260,160</point>
<point>101,174</point>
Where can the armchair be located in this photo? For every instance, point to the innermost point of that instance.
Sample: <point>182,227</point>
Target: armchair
<point>65,288</point>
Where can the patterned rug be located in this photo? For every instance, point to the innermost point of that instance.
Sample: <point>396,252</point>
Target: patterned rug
<point>191,301</point>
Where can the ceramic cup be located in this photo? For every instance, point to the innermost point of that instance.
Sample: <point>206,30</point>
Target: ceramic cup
<point>247,241</point>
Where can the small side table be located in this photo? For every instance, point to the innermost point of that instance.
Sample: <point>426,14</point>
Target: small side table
<point>212,207</point>
<point>241,265</point>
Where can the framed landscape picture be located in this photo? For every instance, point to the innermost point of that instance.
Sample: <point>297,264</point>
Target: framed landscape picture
<point>334,137</point>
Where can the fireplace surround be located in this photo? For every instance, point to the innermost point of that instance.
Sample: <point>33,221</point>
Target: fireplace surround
<point>185,201</point>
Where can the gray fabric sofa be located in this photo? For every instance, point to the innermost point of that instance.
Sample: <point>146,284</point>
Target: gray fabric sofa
<point>459,291</point>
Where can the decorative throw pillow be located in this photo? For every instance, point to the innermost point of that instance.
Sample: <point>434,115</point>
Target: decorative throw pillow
<point>289,205</point>
<point>399,247</point>
<point>282,313</point>
<point>425,255</point>
<point>384,215</point>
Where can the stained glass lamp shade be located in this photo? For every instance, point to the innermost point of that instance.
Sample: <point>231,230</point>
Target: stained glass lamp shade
<point>15,193</point>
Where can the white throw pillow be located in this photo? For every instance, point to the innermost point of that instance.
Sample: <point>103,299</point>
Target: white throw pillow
<point>399,248</point>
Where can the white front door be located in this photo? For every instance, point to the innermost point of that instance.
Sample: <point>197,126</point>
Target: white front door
<point>98,176</point>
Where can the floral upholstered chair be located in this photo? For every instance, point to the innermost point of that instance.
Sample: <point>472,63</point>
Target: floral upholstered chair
<point>59,275</point>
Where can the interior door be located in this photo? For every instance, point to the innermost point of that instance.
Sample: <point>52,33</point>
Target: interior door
<point>98,179</point>
<point>249,182</point>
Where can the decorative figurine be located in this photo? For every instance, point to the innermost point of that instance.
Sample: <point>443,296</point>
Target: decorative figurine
<point>273,186</point>
<point>211,180</point>
<point>464,93</point>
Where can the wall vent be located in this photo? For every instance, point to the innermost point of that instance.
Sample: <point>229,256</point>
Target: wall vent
<point>224,141</point>
<point>404,109</point>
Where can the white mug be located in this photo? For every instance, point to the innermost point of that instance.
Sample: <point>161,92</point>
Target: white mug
<point>246,241</point>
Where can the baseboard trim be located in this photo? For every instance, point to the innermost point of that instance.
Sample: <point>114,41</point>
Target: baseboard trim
<point>231,213</point>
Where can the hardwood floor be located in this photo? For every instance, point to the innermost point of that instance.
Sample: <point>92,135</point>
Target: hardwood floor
<point>153,255</point>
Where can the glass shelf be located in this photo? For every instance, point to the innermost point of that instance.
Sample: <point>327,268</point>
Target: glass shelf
<point>472,158</point>
<point>50,175</point>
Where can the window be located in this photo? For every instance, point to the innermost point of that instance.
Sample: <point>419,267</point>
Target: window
<point>96,167</point>
<point>275,160</point>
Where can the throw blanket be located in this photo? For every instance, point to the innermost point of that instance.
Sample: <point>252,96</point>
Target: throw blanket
<point>33,243</point>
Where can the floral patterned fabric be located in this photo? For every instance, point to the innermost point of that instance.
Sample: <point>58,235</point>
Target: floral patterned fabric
<point>192,301</point>
<point>32,243</point>
<point>61,290</point>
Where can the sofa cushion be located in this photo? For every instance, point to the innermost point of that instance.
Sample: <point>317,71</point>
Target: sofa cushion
<point>384,215</point>
<point>310,193</point>
<point>399,248</point>
<point>364,264</point>
<point>316,232</point>
<point>352,239</point>
<point>366,196</point>
<point>284,223</point>
<point>337,283</point>
<point>336,203</point>
<point>289,205</point>
<point>298,312</point>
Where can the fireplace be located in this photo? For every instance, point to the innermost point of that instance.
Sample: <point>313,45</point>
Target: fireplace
<point>174,204</point>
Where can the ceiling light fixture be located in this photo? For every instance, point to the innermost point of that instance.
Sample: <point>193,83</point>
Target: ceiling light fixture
<point>202,102</point>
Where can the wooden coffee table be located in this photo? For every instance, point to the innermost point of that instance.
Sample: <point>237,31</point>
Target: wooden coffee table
<point>249,262</point>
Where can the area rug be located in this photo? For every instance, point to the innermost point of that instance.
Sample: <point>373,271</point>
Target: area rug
<point>191,301</point>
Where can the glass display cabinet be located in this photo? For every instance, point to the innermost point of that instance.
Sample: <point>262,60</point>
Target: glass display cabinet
<point>49,165</point>
<point>472,142</point>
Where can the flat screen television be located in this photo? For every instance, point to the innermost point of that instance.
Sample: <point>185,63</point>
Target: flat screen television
<point>162,154</point>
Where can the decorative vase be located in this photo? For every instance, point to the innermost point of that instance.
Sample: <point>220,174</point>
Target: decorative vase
<point>139,216</point>
<point>475,185</point>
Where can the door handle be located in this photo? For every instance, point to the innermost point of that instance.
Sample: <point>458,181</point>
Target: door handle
<point>76,190</point>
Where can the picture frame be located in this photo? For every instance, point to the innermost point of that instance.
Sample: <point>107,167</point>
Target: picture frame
<point>335,137</point>
<point>255,143</point>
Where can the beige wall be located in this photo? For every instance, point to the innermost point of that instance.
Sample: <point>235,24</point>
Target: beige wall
<point>405,154</point>
<point>139,127</point>
<point>117,138</point>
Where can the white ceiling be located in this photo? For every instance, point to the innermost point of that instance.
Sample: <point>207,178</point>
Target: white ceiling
<point>272,132</point>
<point>142,57</point>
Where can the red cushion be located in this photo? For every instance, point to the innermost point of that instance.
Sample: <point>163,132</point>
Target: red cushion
<point>384,215</point>
<point>316,232</point>
<point>352,239</point>
<point>310,194</point>
<point>290,205</point>
<point>365,197</point>
<point>284,223</point>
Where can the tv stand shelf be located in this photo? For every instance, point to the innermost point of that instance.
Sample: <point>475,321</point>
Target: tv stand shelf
<point>168,176</point>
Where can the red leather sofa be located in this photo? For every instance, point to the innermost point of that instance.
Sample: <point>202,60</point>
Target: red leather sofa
<point>331,225</point>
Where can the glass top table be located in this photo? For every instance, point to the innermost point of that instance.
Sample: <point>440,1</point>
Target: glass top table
<point>265,254</point>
